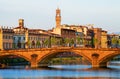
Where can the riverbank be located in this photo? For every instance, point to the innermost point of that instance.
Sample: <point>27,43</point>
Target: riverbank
<point>69,60</point>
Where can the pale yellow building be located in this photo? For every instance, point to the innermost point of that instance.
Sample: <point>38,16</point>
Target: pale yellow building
<point>104,39</point>
<point>6,38</point>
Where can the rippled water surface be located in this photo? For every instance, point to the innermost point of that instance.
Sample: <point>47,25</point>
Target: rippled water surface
<point>62,72</point>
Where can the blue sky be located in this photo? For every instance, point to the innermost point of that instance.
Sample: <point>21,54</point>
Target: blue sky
<point>41,13</point>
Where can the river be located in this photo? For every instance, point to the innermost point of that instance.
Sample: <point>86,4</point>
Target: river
<point>62,72</point>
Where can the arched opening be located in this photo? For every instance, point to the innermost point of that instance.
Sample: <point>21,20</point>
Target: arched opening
<point>111,61</point>
<point>64,58</point>
<point>13,61</point>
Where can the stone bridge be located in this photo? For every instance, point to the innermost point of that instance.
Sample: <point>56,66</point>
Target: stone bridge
<point>97,57</point>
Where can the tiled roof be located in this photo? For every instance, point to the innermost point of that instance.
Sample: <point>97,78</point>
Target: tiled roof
<point>8,31</point>
<point>20,27</point>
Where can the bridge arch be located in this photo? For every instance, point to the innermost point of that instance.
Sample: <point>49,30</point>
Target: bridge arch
<point>7,54</point>
<point>52,54</point>
<point>103,61</point>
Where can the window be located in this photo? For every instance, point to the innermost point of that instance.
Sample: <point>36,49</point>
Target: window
<point>23,38</point>
<point>4,45</point>
<point>14,38</point>
<point>6,37</point>
<point>19,38</point>
<point>9,45</point>
<point>9,37</point>
<point>3,36</point>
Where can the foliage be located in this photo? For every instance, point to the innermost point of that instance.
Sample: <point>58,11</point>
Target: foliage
<point>94,41</point>
<point>53,41</point>
<point>46,42</point>
<point>38,43</point>
<point>61,41</point>
<point>72,41</point>
<point>79,40</point>
<point>114,41</point>
<point>66,40</point>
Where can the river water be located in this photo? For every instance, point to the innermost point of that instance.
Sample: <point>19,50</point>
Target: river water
<point>62,72</point>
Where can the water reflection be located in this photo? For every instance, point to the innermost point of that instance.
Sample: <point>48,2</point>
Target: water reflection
<point>61,72</point>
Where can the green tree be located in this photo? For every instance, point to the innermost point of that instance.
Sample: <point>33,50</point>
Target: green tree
<point>61,41</point>
<point>46,42</point>
<point>66,41</point>
<point>79,40</point>
<point>53,41</point>
<point>38,43</point>
<point>72,41</point>
<point>115,41</point>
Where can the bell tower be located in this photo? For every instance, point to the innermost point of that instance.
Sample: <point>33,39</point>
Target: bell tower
<point>21,23</point>
<point>58,17</point>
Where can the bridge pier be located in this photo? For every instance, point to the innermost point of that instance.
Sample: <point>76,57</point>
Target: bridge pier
<point>34,64</point>
<point>95,63</point>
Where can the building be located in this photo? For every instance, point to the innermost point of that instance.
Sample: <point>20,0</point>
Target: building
<point>97,37</point>
<point>104,39</point>
<point>113,40</point>
<point>6,38</point>
<point>84,35</point>
<point>58,18</point>
<point>21,37</point>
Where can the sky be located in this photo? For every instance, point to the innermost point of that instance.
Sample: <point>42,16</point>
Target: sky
<point>40,14</point>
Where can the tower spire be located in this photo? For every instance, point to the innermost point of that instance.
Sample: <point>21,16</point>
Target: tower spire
<point>58,17</point>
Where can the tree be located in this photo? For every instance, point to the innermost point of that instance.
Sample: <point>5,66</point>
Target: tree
<point>72,41</point>
<point>66,41</point>
<point>46,42</point>
<point>61,41</point>
<point>53,41</point>
<point>79,40</point>
<point>115,42</point>
<point>38,43</point>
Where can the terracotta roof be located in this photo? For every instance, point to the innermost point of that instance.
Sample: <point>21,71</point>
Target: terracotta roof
<point>8,31</point>
<point>67,29</point>
<point>19,27</point>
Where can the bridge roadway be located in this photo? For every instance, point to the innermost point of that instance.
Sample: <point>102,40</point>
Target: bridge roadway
<point>97,57</point>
